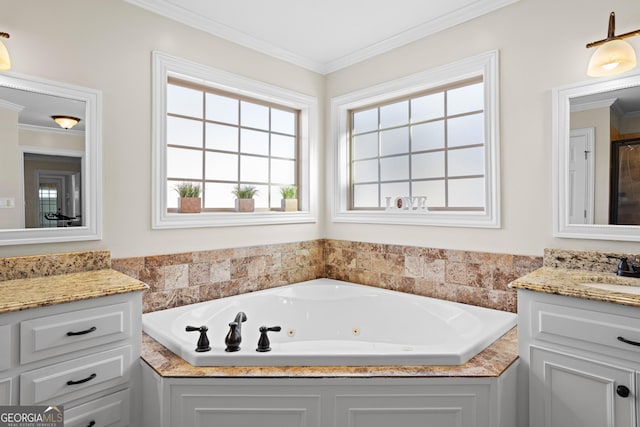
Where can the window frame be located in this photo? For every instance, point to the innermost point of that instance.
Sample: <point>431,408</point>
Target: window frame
<point>165,66</point>
<point>485,65</point>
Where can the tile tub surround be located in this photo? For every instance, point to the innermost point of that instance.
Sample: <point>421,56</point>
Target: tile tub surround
<point>478,278</point>
<point>186,278</point>
<point>24,267</point>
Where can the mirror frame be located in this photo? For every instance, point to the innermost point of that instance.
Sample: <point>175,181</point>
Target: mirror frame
<point>91,163</point>
<point>561,129</point>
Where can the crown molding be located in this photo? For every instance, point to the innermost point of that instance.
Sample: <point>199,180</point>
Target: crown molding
<point>458,16</point>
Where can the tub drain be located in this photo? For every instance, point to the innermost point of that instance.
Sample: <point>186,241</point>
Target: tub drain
<point>355,331</point>
<point>291,332</point>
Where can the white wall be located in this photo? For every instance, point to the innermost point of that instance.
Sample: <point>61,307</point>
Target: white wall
<point>107,45</point>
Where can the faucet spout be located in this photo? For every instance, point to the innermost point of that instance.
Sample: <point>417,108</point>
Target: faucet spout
<point>240,317</point>
<point>625,268</point>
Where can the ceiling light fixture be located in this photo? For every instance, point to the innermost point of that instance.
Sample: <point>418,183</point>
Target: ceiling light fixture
<point>5,61</point>
<point>65,122</point>
<point>614,55</point>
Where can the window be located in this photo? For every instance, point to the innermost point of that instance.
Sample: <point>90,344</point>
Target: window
<point>220,141</point>
<point>220,131</point>
<point>428,143</point>
<point>432,135</point>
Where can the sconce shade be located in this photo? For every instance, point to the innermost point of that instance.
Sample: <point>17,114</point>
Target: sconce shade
<point>5,61</point>
<point>65,122</point>
<point>613,57</point>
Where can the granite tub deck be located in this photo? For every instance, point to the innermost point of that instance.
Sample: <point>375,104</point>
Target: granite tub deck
<point>570,282</point>
<point>491,362</point>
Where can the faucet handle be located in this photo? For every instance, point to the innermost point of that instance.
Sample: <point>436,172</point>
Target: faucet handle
<point>203,340</point>
<point>263,342</point>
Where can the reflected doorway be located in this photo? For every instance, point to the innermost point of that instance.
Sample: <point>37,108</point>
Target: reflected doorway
<point>53,193</point>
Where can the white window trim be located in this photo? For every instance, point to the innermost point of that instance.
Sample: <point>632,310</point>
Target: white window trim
<point>164,66</point>
<point>485,64</point>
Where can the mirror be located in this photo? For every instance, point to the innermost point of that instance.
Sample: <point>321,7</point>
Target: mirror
<point>596,165</point>
<point>49,176</point>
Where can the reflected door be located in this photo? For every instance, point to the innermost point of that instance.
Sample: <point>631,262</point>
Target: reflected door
<point>581,176</point>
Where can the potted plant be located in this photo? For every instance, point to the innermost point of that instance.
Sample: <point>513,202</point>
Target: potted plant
<point>189,200</point>
<point>289,201</point>
<point>244,198</point>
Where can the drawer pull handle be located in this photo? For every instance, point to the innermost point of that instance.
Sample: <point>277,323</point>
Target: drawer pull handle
<point>89,378</point>
<point>623,391</point>
<point>87,331</point>
<point>626,341</point>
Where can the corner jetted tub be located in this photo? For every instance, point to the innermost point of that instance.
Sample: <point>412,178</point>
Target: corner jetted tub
<point>327,322</point>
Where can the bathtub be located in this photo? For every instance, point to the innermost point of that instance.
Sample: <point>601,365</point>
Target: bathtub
<point>327,322</point>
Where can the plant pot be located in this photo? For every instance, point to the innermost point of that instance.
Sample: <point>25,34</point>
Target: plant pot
<point>289,205</point>
<point>245,205</point>
<point>189,204</point>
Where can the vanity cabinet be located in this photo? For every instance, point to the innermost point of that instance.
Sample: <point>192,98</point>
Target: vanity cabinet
<point>582,358</point>
<point>82,354</point>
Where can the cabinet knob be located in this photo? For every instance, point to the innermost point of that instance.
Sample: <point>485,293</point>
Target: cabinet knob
<point>623,391</point>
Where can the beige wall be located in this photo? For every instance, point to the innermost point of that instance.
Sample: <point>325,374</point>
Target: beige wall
<point>52,140</point>
<point>108,44</point>
<point>9,167</point>
<point>541,46</point>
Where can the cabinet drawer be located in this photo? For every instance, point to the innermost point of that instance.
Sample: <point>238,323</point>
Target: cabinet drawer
<point>108,411</point>
<point>588,330</point>
<point>63,382</point>
<point>50,336</point>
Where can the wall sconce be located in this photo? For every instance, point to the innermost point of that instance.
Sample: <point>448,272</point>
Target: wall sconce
<point>5,61</point>
<point>65,122</point>
<point>614,56</point>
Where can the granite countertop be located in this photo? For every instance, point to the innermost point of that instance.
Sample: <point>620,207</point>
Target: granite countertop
<point>491,362</point>
<point>22,294</point>
<point>571,282</point>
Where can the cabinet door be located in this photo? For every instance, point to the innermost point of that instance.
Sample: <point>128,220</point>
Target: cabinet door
<point>211,407</point>
<point>432,408</point>
<point>568,391</point>
<point>6,385</point>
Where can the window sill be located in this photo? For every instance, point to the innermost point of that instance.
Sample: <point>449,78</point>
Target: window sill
<point>231,219</point>
<point>433,218</point>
